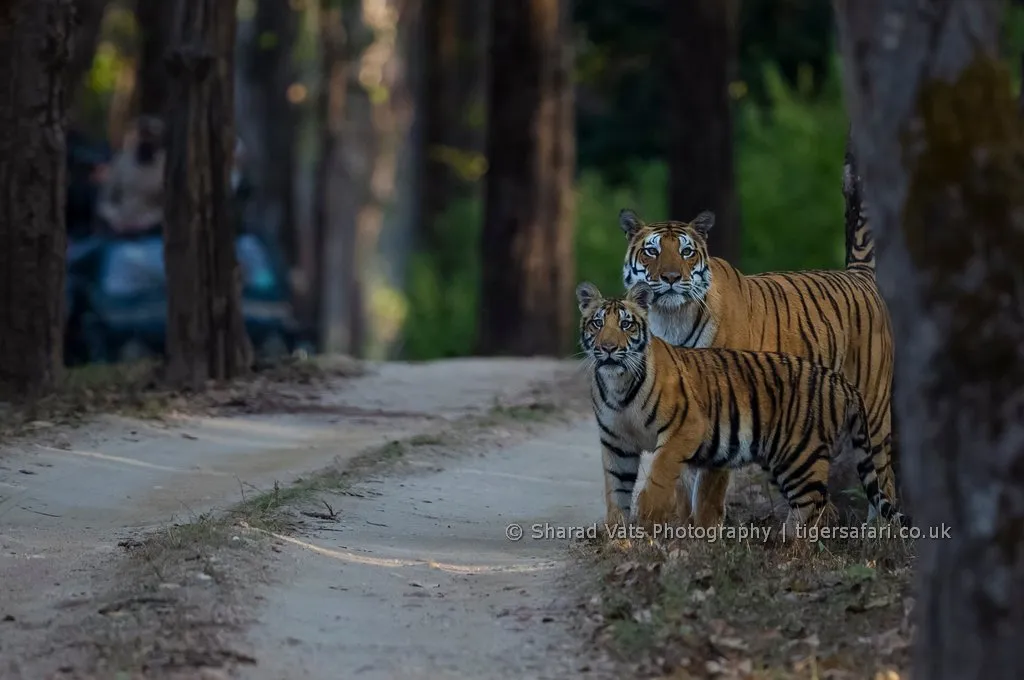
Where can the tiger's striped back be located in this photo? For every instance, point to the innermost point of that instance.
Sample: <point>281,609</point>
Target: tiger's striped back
<point>833,317</point>
<point>785,413</point>
<point>716,409</point>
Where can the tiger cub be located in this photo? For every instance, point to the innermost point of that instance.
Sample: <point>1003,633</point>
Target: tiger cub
<point>714,408</point>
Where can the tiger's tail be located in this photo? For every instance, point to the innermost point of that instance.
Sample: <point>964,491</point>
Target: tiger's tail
<point>867,466</point>
<point>860,242</point>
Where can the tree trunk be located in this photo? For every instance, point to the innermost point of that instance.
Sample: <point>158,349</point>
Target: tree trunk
<point>206,336</point>
<point>455,73</point>
<point>35,44</point>
<point>156,21</point>
<point>940,147</point>
<point>267,120</point>
<point>701,46</point>
<point>528,228</point>
<point>336,283</point>
<point>88,21</point>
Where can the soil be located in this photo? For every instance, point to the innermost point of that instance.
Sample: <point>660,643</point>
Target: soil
<point>72,500</point>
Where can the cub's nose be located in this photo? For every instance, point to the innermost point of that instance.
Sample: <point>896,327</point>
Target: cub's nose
<point>671,277</point>
<point>607,347</point>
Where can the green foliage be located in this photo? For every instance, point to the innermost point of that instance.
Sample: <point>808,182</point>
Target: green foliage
<point>790,178</point>
<point>600,243</point>
<point>789,169</point>
<point>443,288</point>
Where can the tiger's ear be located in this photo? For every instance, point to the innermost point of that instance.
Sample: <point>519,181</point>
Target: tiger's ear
<point>587,294</point>
<point>629,222</point>
<point>703,222</point>
<point>641,295</point>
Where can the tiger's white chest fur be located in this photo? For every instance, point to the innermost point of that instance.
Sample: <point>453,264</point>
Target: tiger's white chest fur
<point>682,325</point>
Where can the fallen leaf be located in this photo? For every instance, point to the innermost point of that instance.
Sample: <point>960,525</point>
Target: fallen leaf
<point>702,595</point>
<point>417,584</point>
<point>799,585</point>
<point>873,603</point>
<point>626,567</point>
<point>642,616</point>
<point>728,643</point>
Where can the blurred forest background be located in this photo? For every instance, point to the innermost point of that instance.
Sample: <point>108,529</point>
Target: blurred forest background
<point>366,122</point>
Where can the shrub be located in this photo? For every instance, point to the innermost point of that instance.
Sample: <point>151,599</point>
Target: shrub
<point>789,169</point>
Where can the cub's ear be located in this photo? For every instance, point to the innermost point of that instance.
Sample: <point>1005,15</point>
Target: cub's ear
<point>587,294</point>
<point>703,222</point>
<point>641,294</point>
<point>629,222</point>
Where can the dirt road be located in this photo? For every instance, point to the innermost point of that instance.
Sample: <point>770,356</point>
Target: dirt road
<point>416,578</point>
<point>420,579</point>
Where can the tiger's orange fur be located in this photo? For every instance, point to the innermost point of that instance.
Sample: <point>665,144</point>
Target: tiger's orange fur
<point>835,317</point>
<point>715,409</point>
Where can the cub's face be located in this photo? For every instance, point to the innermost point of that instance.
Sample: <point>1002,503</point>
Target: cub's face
<point>614,331</point>
<point>670,257</point>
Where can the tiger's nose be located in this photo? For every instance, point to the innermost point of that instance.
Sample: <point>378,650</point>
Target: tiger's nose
<point>607,347</point>
<point>671,277</point>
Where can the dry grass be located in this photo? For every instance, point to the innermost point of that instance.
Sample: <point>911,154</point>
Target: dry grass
<point>767,610</point>
<point>137,389</point>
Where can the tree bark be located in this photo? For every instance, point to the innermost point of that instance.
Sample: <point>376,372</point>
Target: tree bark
<point>206,336</point>
<point>336,280</point>
<point>88,22</point>
<point>701,47</point>
<point>527,245</point>
<point>940,146</point>
<point>455,71</point>
<point>35,45</point>
<point>267,120</point>
<point>156,21</point>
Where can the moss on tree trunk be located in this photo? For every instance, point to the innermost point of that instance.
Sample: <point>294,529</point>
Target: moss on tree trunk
<point>940,146</point>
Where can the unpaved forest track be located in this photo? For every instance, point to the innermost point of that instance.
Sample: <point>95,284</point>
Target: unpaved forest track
<point>418,578</point>
<point>68,499</point>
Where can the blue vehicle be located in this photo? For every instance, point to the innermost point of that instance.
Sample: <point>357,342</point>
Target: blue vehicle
<point>117,299</point>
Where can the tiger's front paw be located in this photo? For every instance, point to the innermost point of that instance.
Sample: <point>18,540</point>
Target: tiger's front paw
<point>710,516</point>
<point>654,508</point>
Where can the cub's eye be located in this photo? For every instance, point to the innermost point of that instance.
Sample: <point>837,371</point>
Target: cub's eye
<point>595,323</point>
<point>687,251</point>
<point>626,324</point>
<point>650,251</point>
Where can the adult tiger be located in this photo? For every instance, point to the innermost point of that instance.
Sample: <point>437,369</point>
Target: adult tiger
<point>835,317</point>
<point>715,408</point>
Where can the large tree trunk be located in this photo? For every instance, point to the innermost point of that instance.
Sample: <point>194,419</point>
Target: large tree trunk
<point>156,21</point>
<point>88,21</point>
<point>368,219</point>
<point>267,121</point>
<point>455,71</point>
<point>35,43</point>
<point>206,336</point>
<point>525,306</point>
<point>336,282</point>
<point>701,46</point>
<point>940,148</point>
